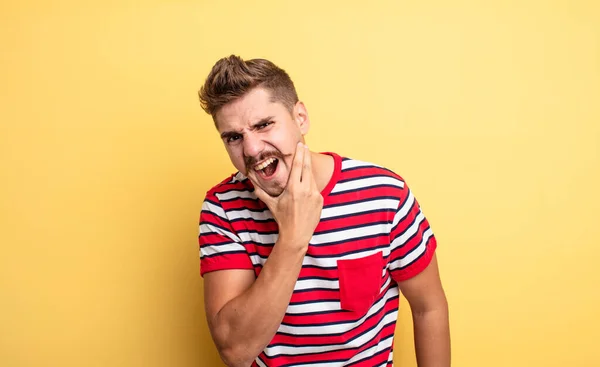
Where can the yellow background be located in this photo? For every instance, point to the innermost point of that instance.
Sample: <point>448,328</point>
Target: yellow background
<point>490,111</point>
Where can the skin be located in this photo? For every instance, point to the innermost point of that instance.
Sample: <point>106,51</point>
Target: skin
<point>242,321</point>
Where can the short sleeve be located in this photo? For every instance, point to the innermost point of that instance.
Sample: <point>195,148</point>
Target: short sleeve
<point>220,247</point>
<point>412,240</point>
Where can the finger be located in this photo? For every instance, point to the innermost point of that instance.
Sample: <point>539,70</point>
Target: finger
<point>296,173</point>
<point>307,176</point>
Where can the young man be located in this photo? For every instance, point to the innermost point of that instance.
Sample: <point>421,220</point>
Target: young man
<point>303,254</point>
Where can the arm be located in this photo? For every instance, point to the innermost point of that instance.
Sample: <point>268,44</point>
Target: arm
<point>429,309</point>
<point>243,313</point>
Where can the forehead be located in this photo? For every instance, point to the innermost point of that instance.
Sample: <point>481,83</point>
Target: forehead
<point>252,107</point>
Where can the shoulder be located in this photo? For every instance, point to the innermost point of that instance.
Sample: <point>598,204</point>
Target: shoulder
<point>235,186</point>
<point>359,170</point>
<point>363,179</point>
<point>234,193</point>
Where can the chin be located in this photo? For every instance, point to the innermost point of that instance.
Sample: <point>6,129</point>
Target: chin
<point>276,185</point>
<point>274,191</point>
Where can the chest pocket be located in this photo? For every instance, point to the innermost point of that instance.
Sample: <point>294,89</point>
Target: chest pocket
<point>360,282</point>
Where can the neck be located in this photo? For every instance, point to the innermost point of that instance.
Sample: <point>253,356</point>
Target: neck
<point>322,169</point>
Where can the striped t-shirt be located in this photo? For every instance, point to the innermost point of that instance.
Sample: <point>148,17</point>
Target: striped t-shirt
<point>372,235</point>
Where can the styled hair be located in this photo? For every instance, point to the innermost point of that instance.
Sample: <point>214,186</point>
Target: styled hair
<point>232,77</point>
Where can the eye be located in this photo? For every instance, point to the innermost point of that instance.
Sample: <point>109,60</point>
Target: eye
<point>263,125</point>
<point>233,138</point>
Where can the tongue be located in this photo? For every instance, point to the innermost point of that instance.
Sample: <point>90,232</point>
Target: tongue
<point>270,169</point>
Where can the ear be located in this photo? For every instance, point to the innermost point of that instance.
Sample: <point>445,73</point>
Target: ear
<point>301,117</point>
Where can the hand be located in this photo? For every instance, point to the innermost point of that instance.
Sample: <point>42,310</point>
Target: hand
<point>297,210</point>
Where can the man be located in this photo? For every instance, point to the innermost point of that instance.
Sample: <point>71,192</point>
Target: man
<point>303,254</point>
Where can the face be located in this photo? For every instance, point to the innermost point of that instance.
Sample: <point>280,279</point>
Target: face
<point>261,135</point>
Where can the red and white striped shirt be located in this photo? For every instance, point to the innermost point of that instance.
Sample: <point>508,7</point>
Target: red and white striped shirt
<point>372,235</point>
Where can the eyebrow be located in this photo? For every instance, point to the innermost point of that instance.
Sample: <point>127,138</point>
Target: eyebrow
<point>229,134</point>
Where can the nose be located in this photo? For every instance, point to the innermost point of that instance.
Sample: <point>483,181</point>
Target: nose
<point>253,146</point>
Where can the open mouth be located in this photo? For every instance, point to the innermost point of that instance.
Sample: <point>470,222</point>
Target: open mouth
<point>267,168</point>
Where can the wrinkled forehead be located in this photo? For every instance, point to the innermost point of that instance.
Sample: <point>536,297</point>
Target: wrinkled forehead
<point>254,106</point>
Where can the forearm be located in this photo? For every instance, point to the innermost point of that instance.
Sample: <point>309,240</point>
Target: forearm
<point>246,324</point>
<point>432,337</point>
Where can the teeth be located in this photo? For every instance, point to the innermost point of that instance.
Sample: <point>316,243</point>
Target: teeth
<point>264,164</point>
